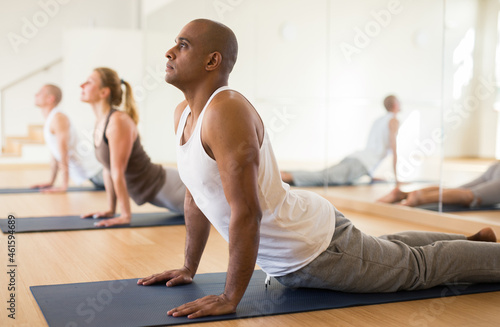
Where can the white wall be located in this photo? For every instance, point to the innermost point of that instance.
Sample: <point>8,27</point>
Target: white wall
<point>470,120</point>
<point>19,102</point>
<point>380,48</point>
<point>292,74</point>
<point>488,37</point>
<point>317,101</point>
<point>32,37</point>
<point>86,49</point>
<point>36,28</point>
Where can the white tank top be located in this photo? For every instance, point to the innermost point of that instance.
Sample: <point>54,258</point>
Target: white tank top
<point>296,226</point>
<point>81,157</point>
<point>378,145</point>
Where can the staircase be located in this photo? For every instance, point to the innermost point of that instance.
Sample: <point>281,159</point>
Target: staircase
<point>14,144</point>
<point>28,148</point>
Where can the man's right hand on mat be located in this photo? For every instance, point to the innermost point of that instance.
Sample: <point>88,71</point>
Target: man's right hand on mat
<point>42,186</point>
<point>171,277</point>
<point>100,214</point>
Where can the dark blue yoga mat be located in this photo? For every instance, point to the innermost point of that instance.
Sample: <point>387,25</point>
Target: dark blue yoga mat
<point>457,208</point>
<point>37,190</point>
<point>124,303</point>
<point>65,223</point>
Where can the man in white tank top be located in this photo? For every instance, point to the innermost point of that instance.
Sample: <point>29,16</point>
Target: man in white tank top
<point>62,141</point>
<point>381,141</point>
<point>233,182</point>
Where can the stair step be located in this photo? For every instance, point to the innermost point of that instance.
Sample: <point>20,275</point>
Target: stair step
<point>35,132</point>
<point>14,144</point>
<point>30,153</point>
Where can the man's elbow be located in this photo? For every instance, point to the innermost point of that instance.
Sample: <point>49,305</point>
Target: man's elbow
<point>258,215</point>
<point>254,213</point>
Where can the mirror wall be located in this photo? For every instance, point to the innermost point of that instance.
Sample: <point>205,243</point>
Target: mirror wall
<point>318,73</point>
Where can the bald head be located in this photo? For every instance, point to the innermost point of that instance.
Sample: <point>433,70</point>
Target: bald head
<point>54,91</point>
<point>217,37</point>
<point>390,103</point>
<point>48,96</point>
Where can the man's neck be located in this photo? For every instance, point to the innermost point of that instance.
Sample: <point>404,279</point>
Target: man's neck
<point>46,111</point>
<point>197,97</point>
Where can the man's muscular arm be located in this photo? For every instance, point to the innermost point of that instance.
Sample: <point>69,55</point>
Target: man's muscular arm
<point>197,231</point>
<point>232,133</point>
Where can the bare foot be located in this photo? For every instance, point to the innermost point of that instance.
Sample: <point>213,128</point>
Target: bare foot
<point>484,235</point>
<point>413,199</point>
<point>395,195</point>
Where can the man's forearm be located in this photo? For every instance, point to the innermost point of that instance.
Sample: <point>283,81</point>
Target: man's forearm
<point>243,249</point>
<point>395,167</point>
<point>54,167</point>
<point>64,173</point>
<point>197,232</point>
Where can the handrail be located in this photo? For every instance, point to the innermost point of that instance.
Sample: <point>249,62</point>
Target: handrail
<point>13,83</point>
<point>33,73</point>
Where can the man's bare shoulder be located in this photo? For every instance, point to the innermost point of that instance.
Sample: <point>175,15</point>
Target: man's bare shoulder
<point>230,116</point>
<point>230,105</point>
<point>61,117</point>
<point>394,123</point>
<point>180,107</point>
<point>60,122</point>
<point>178,113</point>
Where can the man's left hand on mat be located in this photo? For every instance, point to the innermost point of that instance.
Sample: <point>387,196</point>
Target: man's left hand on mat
<point>211,305</point>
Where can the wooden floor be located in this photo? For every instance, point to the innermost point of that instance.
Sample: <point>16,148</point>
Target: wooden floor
<point>84,256</point>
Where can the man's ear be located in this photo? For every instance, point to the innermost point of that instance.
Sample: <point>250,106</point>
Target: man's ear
<point>215,60</point>
<point>51,98</point>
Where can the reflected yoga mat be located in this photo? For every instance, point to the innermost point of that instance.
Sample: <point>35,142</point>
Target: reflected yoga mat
<point>124,303</point>
<point>457,208</point>
<point>65,223</point>
<point>37,190</point>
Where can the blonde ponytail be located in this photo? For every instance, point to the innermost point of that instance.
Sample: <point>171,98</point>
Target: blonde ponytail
<point>110,79</point>
<point>130,107</point>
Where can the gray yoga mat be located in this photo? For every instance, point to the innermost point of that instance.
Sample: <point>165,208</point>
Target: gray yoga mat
<point>37,190</point>
<point>457,208</point>
<point>124,303</point>
<point>65,223</point>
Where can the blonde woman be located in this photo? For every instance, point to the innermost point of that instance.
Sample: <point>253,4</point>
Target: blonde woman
<point>128,170</point>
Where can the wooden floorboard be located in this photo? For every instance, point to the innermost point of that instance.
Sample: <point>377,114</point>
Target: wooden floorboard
<point>84,256</point>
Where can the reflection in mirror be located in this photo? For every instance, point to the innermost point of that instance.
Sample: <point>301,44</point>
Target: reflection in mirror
<point>381,48</point>
<point>470,118</point>
<point>318,73</point>
<point>280,69</point>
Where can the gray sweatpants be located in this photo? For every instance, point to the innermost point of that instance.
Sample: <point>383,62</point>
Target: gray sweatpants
<point>343,173</point>
<point>487,186</point>
<point>356,262</point>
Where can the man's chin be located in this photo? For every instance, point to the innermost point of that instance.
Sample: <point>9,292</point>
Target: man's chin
<point>168,79</point>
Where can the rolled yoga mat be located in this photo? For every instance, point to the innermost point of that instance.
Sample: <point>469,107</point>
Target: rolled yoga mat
<point>65,223</point>
<point>457,208</point>
<point>37,190</point>
<point>124,303</point>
